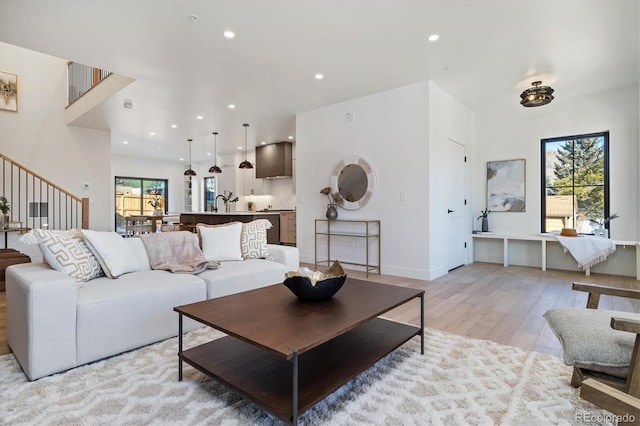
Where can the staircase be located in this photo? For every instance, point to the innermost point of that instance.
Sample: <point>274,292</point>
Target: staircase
<point>38,203</point>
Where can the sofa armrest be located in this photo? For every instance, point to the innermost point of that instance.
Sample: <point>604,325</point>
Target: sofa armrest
<point>41,318</point>
<point>288,256</point>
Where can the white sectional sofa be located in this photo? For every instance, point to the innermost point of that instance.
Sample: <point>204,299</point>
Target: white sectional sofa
<point>54,324</point>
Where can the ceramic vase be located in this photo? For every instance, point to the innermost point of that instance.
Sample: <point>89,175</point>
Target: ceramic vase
<point>332,212</point>
<point>485,224</point>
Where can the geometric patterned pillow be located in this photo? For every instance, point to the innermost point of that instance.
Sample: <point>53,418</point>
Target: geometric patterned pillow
<point>253,239</point>
<point>65,251</point>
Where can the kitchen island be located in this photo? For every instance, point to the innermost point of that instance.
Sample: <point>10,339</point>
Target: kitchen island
<point>219,218</point>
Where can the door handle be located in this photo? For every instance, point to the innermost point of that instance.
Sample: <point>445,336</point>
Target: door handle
<point>450,211</point>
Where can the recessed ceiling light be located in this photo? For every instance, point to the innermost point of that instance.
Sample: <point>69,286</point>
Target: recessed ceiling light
<point>319,76</point>
<point>290,137</point>
<point>229,34</point>
<point>433,37</point>
<point>152,133</point>
<point>240,148</point>
<point>208,153</point>
<point>263,143</point>
<point>231,106</point>
<point>174,126</point>
<point>199,117</point>
<point>125,142</point>
<point>181,159</point>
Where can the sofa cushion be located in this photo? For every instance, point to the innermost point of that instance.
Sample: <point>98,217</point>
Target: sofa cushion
<point>65,251</point>
<point>113,253</point>
<point>235,277</point>
<point>253,239</point>
<point>221,242</point>
<point>137,247</point>
<point>114,316</point>
<point>588,341</point>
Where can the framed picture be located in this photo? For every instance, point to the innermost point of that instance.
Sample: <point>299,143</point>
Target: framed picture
<point>8,91</point>
<point>506,186</point>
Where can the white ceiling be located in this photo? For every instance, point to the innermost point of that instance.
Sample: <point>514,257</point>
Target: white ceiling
<point>488,52</point>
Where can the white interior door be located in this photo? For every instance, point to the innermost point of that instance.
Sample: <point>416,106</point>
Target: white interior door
<point>456,250</point>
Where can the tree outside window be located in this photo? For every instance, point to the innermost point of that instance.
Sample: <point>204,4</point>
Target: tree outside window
<point>575,176</point>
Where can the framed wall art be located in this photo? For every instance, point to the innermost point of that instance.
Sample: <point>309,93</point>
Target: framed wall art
<point>8,91</point>
<point>506,186</point>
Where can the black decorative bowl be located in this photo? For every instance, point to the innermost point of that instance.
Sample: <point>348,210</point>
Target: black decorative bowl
<point>323,290</point>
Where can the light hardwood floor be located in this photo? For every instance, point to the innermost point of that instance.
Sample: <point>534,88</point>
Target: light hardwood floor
<point>484,301</point>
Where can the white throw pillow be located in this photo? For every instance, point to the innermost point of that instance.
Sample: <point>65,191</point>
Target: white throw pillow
<point>253,240</point>
<point>113,253</point>
<point>137,246</point>
<point>221,242</point>
<point>65,251</point>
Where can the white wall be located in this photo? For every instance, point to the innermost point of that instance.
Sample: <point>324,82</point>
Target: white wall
<point>404,133</point>
<point>390,131</point>
<point>513,132</point>
<point>448,120</point>
<point>38,138</point>
<point>151,168</point>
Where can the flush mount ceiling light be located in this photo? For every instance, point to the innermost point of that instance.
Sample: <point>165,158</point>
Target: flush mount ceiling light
<point>189,171</point>
<point>245,164</point>
<point>537,95</point>
<point>214,168</point>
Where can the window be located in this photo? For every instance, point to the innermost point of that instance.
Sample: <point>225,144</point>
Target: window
<point>575,182</point>
<point>138,196</point>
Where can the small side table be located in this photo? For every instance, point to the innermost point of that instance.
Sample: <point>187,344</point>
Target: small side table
<point>6,233</point>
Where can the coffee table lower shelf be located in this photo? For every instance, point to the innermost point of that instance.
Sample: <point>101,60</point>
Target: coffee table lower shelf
<point>266,377</point>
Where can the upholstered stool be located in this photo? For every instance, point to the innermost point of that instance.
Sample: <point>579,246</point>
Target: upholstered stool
<point>588,341</point>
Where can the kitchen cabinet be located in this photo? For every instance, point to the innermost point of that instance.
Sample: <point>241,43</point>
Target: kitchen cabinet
<point>251,185</point>
<point>226,181</point>
<point>274,160</point>
<point>288,227</point>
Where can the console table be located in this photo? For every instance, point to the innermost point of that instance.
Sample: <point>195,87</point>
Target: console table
<point>368,230</point>
<point>6,233</point>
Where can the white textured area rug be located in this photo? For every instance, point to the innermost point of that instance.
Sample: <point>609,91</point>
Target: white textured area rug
<point>458,381</point>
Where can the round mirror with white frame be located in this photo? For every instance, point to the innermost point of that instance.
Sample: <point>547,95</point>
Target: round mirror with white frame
<point>354,179</point>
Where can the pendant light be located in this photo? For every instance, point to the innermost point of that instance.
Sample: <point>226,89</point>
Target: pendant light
<point>536,95</point>
<point>214,168</point>
<point>189,171</point>
<point>245,164</point>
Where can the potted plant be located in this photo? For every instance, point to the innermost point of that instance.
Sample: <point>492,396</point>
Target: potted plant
<point>228,199</point>
<point>335,200</point>
<point>601,223</point>
<point>4,208</point>
<point>156,202</point>
<point>485,221</point>
<point>251,206</point>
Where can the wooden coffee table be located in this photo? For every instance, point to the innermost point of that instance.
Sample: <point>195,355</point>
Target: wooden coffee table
<point>287,355</point>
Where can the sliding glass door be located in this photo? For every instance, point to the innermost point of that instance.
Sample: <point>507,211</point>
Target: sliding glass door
<point>135,196</point>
